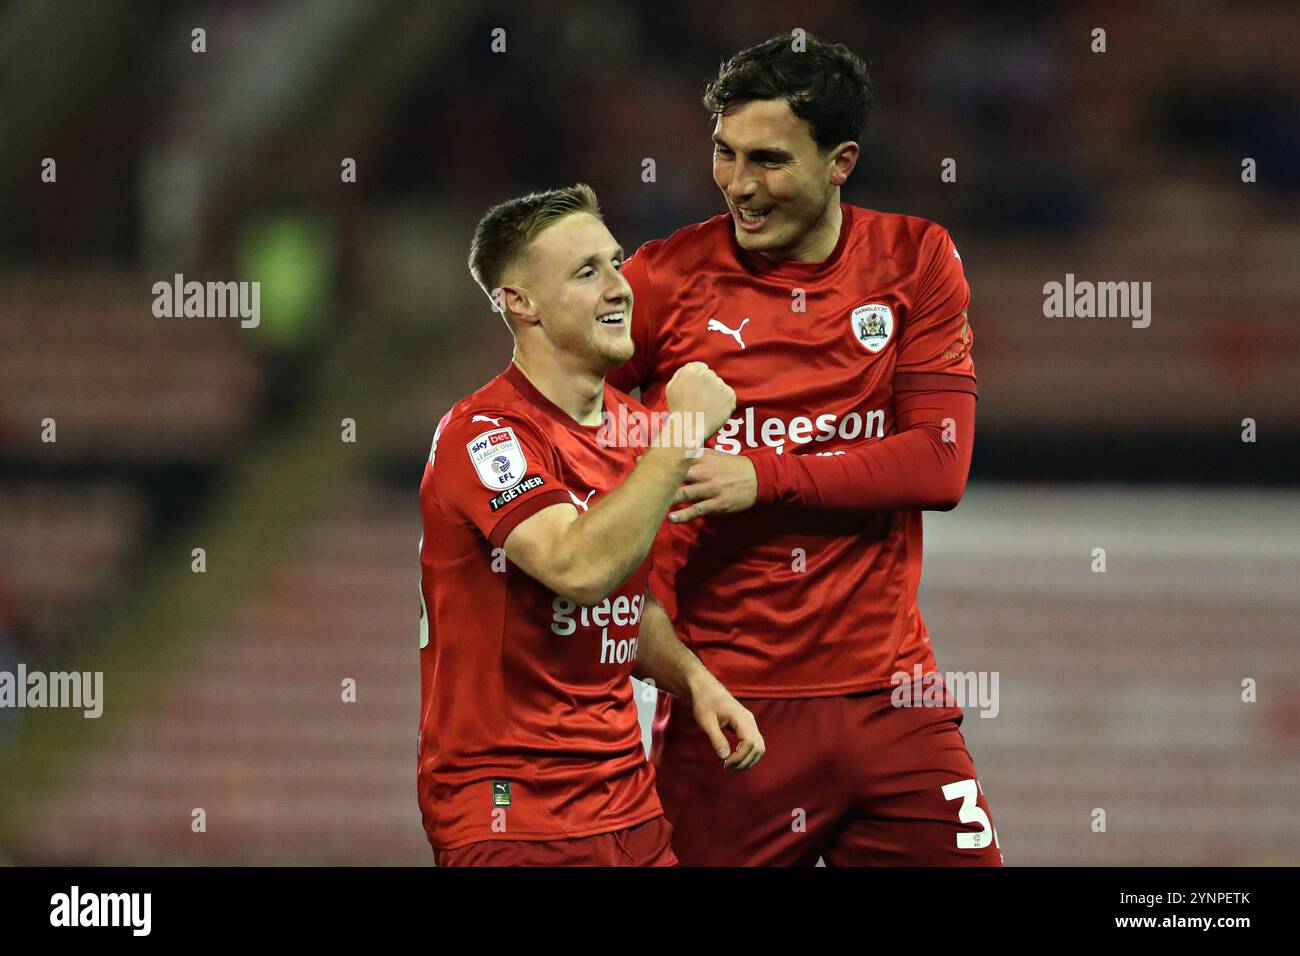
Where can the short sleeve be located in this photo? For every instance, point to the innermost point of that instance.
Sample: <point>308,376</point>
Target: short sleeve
<point>635,372</point>
<point>935,346</point>
<point>494,469</point>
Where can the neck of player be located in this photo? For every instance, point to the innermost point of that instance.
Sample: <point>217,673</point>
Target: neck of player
<point>579,392</point>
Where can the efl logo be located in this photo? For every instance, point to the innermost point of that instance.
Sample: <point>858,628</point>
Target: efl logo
<point>498,458</point>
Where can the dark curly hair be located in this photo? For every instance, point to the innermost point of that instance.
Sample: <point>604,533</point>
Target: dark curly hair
<point>826,84</point>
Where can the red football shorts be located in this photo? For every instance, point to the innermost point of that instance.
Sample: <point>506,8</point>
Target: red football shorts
<point>646,844</point>
<point>852,779</point>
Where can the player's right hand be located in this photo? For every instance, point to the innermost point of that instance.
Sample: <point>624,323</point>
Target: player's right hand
<point>701,397</point>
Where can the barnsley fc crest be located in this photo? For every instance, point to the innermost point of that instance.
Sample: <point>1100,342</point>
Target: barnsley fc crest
<point>873,325</point>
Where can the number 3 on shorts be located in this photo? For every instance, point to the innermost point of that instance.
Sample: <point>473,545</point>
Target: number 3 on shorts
<point>970,812</point>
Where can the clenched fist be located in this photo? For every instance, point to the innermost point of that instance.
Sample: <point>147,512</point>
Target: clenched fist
<point>697,394</point>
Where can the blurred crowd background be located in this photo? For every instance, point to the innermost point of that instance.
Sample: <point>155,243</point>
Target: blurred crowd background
<point>1120,691</point>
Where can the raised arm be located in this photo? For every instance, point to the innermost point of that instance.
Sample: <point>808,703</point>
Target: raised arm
<point>584,557</point>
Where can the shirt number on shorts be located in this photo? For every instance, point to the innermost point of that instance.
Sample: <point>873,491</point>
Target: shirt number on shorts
<point>970,812</point>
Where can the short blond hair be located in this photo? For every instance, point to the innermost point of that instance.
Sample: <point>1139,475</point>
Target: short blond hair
<point>504,233</point>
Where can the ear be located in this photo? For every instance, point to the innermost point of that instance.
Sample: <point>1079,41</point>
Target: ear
<point>515,304</point>
<point>843,158</point>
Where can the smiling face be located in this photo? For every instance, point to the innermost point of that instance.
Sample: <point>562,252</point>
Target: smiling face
<point>572,278</point>
<point>780,188</point>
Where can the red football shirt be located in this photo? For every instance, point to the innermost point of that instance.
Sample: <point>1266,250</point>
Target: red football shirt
<point>789,600</point>
<point>528,729</point>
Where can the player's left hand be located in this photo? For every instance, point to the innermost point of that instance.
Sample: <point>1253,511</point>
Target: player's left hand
<point>717,483</point>
<point>716,710</point>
